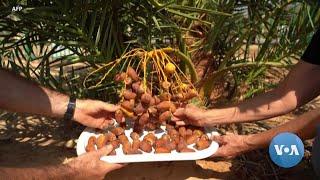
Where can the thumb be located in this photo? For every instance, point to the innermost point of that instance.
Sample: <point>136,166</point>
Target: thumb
<point>220,152</point>
<point>110,107</point>
<point>104,151</point>
<point>190,106</point>
<point>179,112</point>
<point>218,139</point>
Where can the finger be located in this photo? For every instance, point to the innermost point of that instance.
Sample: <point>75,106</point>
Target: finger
<point>179,112</point>
<point>110,107</point>
<point>174,118</point>
<point>219,153</point>
<point>180,123</point>
<point>219,139</point>
<point>91,122</point>
<point>230,157</point>
<point>104,151</point>
<point>106,123</point>
<point>110,167</point>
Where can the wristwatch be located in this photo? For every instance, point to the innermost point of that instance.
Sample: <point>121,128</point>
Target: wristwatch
<point>70,109</point>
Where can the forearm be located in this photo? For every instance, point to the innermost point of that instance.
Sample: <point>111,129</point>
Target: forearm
<point>304,126</point>
<point>50,172</point>
<point>263,106</point>
<point>300,86</point>
<point>20,95</point>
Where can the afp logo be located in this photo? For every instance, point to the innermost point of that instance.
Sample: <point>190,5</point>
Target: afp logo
<point>286,150</point>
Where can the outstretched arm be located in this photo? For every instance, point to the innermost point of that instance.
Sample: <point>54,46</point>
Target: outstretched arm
<point>300,86</point>
<point>232,145</point>
<point>20,95</point>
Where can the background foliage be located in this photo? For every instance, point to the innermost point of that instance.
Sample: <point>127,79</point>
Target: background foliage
<point>57,42</point>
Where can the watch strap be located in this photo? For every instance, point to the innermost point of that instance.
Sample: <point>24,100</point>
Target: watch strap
<point>70,109</point>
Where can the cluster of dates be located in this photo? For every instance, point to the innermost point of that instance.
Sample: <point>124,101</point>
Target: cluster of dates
<point>140,104</point>
<point>174,139</point>
<point>148,106</point>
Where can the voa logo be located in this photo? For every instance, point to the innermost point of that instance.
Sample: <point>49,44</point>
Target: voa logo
<point>286,150</point>
<point>291,151</point>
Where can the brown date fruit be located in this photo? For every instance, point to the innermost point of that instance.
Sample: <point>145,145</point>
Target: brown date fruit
<point>137,88</point>
<point>110,136</point>
<point>119,116</point>
<point>133,74</point>
<point>123,139</point>
<point>139,109</point>
<point>120,77</point>
<point>117,131</point>
<point>164,106</point>
<point>192,139</point>
<point>126,148</point>
<point>204,137</point>
<point>189,132</point>
<point>144,118</point>
<point>198,133</point>
<point>135,145</point>
<point>91,144</point>
<point>156,100</point>
<point>112,153</point>
<point>150,126</point>
<point>150,138</point>
<point>128,81</point>
<point>175,139</point>
<point>134,136</point>
<point>101,141</point>
<point>187,150</point>
<point>183,131</point>
<point>202,144</point>
<point>146,98</point>
<point>145,146</point>
<point>90,148</point>
<point>128,105</point>
<point>169,127</point>
<point>161,150</point>
<point>166,137</point>
<point>165,116</point>
<point>92,140</point>
<point>165,97</point>
<point>173,132</point>
<point>128,94</point>
<point>182,144</point>
<point>190,94</point>
<point>137,128</point>
<point>115,144</point>
<point>172,145</point>
<point>152,110</point>
<point>161,143</point>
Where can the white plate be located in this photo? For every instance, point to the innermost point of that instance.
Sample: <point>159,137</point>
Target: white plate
<point>148,157</point>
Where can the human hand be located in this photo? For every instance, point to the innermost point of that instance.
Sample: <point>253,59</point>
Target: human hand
<point>200,117</point>
<point>95,114</point>
<point>231,145</point>
<point>89,165</point>
<point>191,115</point>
